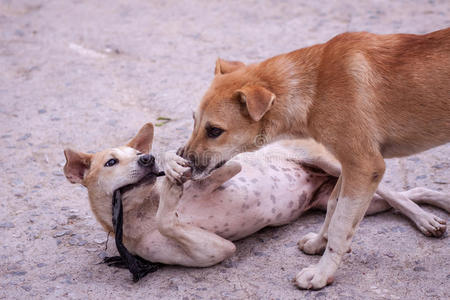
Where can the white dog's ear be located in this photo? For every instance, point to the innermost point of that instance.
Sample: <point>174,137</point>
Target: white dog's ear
<point>143,139</point>
<point>257,99</point>
<point>225,66</point>
<point>77,163</point>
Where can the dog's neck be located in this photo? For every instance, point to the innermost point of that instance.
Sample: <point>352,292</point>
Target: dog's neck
<point>139,205</point>
<point>292,77</point>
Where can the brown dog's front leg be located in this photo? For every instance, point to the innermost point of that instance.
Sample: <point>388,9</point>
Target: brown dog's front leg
<point>359,183</point>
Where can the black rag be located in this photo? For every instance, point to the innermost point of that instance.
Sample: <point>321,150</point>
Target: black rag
<point>138,266</point>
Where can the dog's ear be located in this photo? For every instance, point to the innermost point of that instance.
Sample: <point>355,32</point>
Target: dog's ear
<point>224,66</point>
<point>257,99</point>
<point>142,142</point>
<point>77,163</point>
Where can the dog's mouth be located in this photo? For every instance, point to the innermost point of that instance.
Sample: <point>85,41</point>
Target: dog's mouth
<point>148,178</point>
<point>218,165</point>
<point>200,173</point>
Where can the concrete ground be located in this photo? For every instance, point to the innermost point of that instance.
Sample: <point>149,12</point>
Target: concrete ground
<point>88,74</point>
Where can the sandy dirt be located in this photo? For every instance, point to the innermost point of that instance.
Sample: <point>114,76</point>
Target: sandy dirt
<point>89,74</point>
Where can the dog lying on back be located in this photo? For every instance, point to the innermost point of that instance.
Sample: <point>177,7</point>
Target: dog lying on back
<point>193,224</point>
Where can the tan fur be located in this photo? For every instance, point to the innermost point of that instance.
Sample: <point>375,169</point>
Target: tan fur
<point>363,96</point>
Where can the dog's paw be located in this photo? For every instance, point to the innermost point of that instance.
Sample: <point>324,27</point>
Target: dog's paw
<point>176,168</point>
<point>431,225</point>
<point>313,277</point>
<point>312,243</point>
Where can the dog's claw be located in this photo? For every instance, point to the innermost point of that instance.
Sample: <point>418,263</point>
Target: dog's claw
<point>431,225</point>
<point>176,168</point>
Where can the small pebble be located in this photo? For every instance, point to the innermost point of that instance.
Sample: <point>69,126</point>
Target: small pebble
<point>18,273</point>
<point>7,225</point>
<point>73,241</point>
<point>62,233</point>
<point>100,238</point>
<point>26,287</point>
<point>24,137</point>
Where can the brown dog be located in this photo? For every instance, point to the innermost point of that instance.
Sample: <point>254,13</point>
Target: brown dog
<point>363,96</point>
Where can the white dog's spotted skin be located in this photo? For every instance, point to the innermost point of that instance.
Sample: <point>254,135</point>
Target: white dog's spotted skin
<point>193,224</point>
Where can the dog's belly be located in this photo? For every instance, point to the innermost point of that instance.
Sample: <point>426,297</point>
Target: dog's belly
<point>260,195</point>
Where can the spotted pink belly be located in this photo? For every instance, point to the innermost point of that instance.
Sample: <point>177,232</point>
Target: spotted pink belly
<point>259,196</point>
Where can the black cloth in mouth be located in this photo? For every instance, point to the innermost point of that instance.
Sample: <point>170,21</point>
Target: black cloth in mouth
<point>138,266</point>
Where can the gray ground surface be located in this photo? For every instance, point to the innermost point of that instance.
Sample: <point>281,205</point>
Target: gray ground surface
<point>88,74</point>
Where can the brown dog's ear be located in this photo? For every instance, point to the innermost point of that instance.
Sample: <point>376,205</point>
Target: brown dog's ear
<point>142,142</point>
<point>77,163</point>
<point>224,66</point>
<point>257,99</point>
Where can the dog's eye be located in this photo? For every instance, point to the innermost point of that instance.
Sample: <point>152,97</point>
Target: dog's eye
<point>111,162</point>
<point>214,132</point>
<point>139,153</point>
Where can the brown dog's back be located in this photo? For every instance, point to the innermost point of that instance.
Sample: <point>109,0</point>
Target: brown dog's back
<point>399,84</point>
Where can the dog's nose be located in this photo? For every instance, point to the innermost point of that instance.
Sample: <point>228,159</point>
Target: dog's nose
<point>146,160</point>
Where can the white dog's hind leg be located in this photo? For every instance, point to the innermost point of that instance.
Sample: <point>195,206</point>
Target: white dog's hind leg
<point>200,248</point>
<point>426,222</point>
<point>315,243</point>
<point>422,195</point>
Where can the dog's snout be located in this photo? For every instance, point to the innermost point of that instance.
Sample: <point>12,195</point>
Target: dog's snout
<point>146,160</point>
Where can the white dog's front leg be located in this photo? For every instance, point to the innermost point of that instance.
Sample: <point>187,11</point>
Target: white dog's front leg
<point>175,167</point>
<point>201,248</point>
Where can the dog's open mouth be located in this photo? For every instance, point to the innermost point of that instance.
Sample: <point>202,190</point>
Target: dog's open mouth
<point>202,173</point>
<point>220,164</point>
<point>148,178</point>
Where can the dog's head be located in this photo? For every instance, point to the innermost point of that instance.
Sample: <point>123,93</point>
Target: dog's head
<point>229,119</point>
<point>104,172</point>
